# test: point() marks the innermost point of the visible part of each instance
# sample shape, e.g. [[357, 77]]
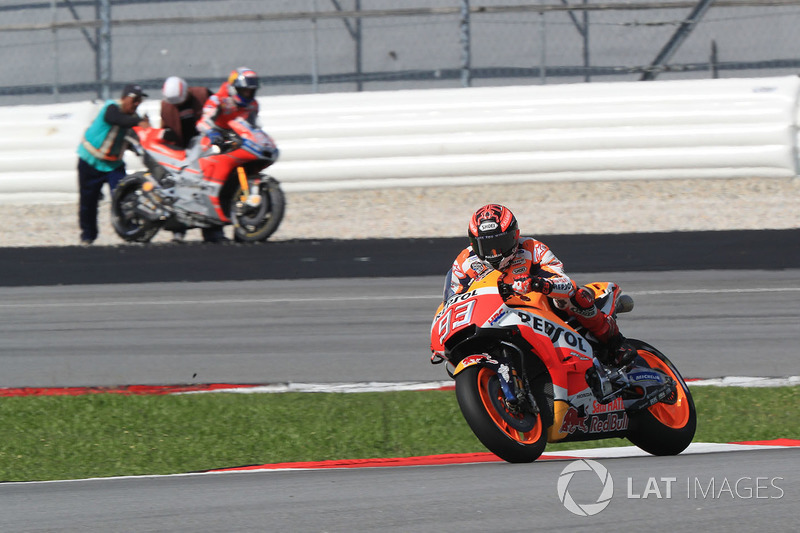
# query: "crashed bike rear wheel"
[[129, 224], [516, 437], [668, 427]]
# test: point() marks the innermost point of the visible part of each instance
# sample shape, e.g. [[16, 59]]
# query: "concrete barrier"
[[596, 131]]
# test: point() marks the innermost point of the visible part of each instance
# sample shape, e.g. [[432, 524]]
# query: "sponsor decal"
[[645, 376], [615, 405], [478, 267], [573, 422], [474, 359], [555, 332], [613, 422], [500, 313], [581, 356], [504, 371], [487, 225], [562, 286], [539, 249], [459, 298]]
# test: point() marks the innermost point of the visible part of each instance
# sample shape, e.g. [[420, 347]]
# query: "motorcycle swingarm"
[[610, 384]]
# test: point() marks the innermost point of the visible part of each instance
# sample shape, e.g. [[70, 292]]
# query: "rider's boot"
[[214, 234], [618, 351]]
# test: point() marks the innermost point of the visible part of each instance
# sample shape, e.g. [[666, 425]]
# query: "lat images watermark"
[[601, 484], [586, 509]]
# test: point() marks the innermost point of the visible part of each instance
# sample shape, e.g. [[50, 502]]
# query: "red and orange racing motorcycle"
[[526, 374]]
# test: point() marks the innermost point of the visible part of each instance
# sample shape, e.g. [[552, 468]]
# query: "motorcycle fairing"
[[180, 174]]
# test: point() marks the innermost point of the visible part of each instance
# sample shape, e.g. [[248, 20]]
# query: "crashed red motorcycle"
[[201, 187], [526, 374]]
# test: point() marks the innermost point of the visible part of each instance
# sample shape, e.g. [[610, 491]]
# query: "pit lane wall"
[[720, 128]]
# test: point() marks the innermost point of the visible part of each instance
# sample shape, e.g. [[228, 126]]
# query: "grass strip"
[[99, 435]]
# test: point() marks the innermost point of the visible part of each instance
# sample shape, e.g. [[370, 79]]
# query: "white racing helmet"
[[175, 90]]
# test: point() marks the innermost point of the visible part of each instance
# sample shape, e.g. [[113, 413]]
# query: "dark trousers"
[[90, 185]]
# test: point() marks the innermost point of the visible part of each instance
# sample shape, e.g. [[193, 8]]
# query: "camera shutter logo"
[[586, 509]]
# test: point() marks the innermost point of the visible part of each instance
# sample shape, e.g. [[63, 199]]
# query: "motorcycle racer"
[[181, 108], [529, 265], [233, 109], [234, 101]]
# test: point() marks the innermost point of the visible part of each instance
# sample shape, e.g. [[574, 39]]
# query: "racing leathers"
[[221, 114], [535, 268], [221, 110]]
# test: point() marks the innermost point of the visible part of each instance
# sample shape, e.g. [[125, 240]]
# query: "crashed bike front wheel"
[[257, 217], [513, 435]]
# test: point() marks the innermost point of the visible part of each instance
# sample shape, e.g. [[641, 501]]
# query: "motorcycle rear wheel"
[[514, 437], [257, 223], [128, 224], [666, 428]]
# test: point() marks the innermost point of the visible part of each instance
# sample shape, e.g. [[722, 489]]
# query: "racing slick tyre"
[[128, 222], [513, 435], [255, 221], [667, 427]]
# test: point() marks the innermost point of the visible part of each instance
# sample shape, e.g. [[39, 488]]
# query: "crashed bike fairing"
[[202, 166], [532, 258]]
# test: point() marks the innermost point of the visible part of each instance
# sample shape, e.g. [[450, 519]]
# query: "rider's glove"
[[522, 284], [543, 285], [506, 290], [215, 137]]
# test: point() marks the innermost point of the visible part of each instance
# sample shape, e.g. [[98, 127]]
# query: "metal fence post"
[[104, 49], [587, 63], [713, 61], [542, 48], [466, 57], [314, 58], [54, 12], [359, 49]]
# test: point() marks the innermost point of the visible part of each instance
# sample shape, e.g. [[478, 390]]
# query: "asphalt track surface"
[[757, 249], [711, 323], [734, 306], [721, 492]]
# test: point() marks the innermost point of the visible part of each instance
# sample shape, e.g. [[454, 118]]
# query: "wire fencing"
[[67, 50]]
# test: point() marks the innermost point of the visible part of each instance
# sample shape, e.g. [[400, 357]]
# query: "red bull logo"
[[589, 424], [573, 422]]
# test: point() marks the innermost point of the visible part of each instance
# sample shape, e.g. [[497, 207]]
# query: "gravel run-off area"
[[541, 208]]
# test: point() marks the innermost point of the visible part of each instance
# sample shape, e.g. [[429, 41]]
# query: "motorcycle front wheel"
[[512, 435], [256, 221], [127, 222], [668, 427]]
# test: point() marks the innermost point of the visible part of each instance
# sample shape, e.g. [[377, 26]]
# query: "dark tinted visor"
[[246, 93], [252, 82], [495, 247]]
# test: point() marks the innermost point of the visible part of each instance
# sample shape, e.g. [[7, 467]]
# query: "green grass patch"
[[108, 434]]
